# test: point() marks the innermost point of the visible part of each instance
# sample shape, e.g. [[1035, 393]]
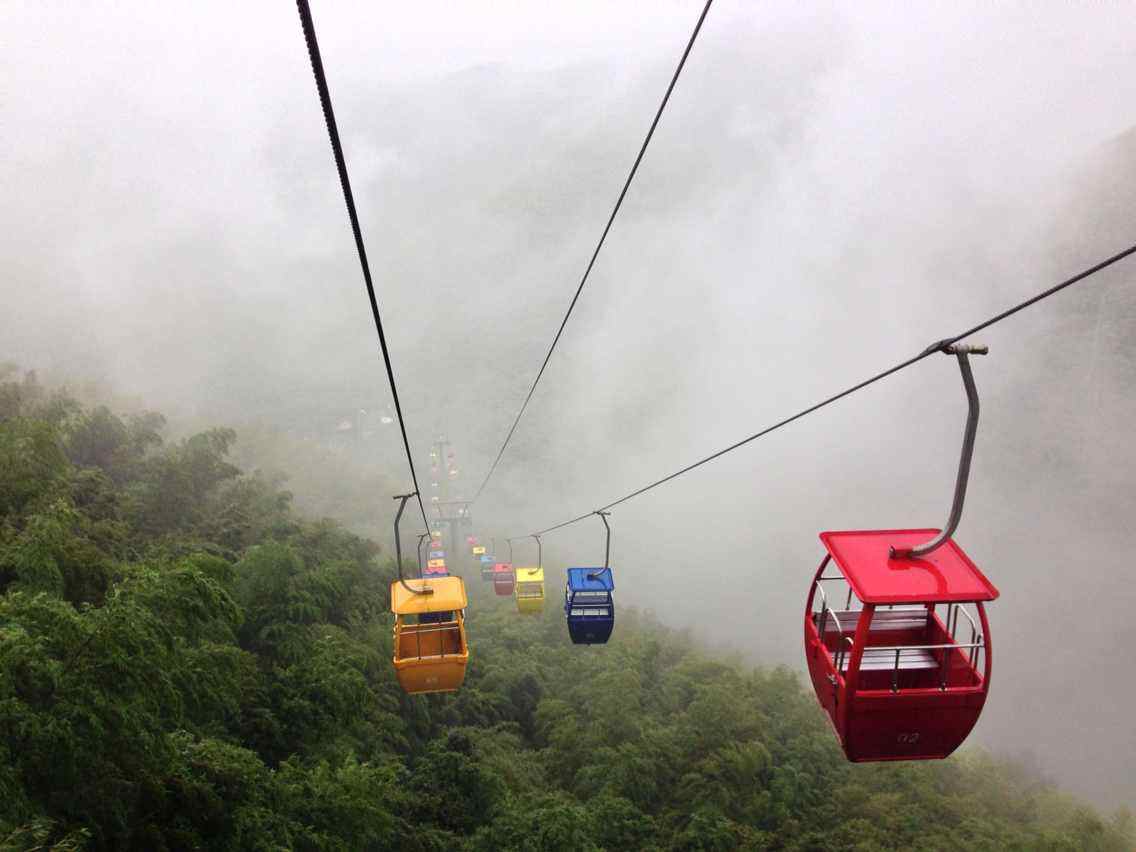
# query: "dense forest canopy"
[[187, 663]]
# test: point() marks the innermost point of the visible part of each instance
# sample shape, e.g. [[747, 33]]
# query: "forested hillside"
[[187, 664]]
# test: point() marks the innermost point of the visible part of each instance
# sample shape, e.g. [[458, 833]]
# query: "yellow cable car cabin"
[[430, 649], [530, 590]]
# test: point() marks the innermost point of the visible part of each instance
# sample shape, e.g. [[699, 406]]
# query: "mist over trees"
[[186, 662]]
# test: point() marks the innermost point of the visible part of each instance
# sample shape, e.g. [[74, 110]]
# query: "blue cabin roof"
[[580, 580]]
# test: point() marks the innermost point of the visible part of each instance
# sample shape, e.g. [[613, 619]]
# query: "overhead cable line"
[[349, 198], [938, 346], [599, 245]]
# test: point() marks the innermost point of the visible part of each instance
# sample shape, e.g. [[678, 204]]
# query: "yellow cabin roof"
[[530, 575], [449, 594]]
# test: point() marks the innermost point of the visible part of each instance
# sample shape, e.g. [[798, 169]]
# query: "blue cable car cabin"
[[589, 605]]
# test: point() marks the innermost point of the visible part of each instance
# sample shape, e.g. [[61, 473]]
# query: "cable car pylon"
[[890, 668]]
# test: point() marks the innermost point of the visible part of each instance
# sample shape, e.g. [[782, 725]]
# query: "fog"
[[830, 190]]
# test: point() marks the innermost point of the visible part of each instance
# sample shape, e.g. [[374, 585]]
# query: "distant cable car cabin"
[[899, 663], [503, 579], [530, 590], [436, 560], [589, 606], [430, 650]]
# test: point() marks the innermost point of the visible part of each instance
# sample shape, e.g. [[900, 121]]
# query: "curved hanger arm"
[[962, 352], [607, 546], [398, 545]]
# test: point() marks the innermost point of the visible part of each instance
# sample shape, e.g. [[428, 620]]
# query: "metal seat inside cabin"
[[591, 603], [884, 659]]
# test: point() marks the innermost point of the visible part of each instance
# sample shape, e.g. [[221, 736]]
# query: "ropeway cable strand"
[[599, 245], [930, 350], [349, 199]]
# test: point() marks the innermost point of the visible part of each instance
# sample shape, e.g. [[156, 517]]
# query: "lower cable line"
[[939, 346], [599, 246]]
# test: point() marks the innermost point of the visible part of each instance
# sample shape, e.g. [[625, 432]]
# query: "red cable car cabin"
[[898, 662]]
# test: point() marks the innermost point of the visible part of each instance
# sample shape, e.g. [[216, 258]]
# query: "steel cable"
[[599, 245], [349, 199], [930, 350]]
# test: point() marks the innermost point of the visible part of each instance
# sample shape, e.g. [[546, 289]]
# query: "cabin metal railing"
[[419, 629], [825, 611], [587, 596], [952, 629], [530, 590], [944, 649], [950, 623], [588, 603], [848, 601], [943, 668]]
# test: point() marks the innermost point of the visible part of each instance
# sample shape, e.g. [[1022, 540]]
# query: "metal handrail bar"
[[974, 631], [429, 627], [836, 620], [848, 601], [419, 629], [825, 610], [841, 653], [900, 648], [823, 596], [979, 644], [973, 626], [952, 625], [441, 656]]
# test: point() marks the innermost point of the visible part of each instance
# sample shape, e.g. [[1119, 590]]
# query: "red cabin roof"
[[945, 575]]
